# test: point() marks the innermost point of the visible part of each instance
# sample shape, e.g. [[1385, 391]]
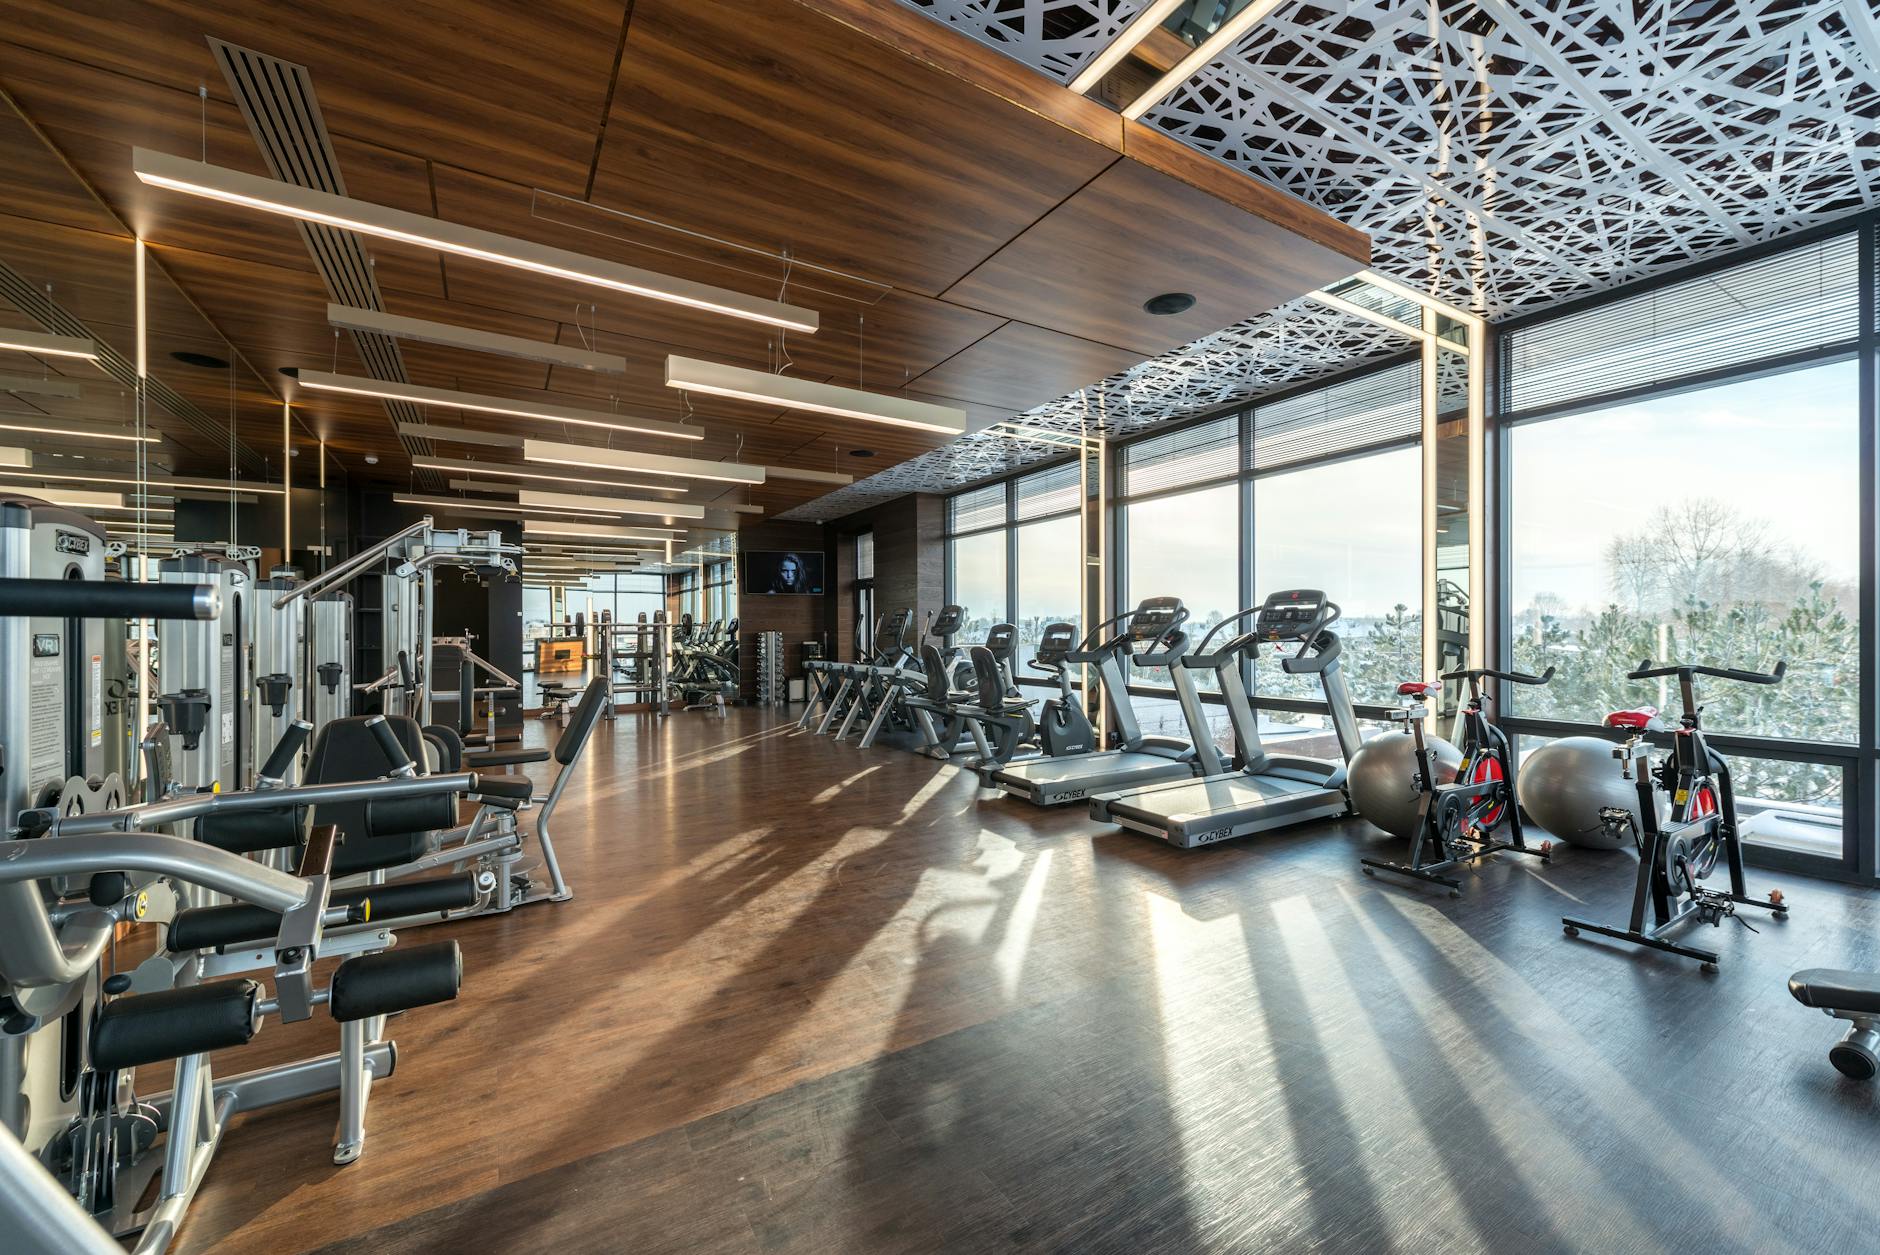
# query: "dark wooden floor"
[[813, 998]]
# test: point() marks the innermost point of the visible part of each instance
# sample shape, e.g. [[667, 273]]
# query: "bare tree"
[[1703, 551]]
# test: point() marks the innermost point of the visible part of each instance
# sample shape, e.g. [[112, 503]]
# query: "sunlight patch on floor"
[[1009, 958], [1610, 1097], [1542, 1149], [834, 791]]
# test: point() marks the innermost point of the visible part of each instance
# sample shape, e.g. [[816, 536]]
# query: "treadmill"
[[1152, 636], [1269, 790]]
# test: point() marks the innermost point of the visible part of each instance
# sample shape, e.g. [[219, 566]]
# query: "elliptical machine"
[[1456, 822], [1675, 860]]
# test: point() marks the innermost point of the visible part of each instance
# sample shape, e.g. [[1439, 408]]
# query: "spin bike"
[[1456, 822], [1674, 860]]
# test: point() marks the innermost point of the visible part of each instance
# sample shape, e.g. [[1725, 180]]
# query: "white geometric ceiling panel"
[[1550, 150], [1056, 36], [1503, 154], [1297, 342]]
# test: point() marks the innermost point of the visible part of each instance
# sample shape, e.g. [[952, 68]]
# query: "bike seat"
[[1418, 688], [1834, 990], [1645, 719]]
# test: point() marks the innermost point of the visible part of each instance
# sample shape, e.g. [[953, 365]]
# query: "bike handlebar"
[[1517, 677], [1646, 671]]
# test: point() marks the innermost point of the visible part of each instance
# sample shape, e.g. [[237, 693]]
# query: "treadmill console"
[[948, 621], [1294, 615], [1154, 616]]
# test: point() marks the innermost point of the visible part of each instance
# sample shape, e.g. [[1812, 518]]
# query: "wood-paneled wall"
[[798, 618], [910, 561]]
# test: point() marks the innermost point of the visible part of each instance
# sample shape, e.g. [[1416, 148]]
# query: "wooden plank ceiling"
[[967, 230]]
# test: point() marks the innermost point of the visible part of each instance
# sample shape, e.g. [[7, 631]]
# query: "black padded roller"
[[213, 927], [518, 788], [372, 854], [285, 749], [150, 1028], [382, 732], [249, 832], [396, 980], [393, 817]]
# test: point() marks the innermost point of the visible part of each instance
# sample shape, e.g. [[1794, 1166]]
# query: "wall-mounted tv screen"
[[769, 574]]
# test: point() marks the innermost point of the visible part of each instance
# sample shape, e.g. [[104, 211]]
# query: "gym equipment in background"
[[1267, 791], [1850, 996], [1151, 636], [1567, 785], [1455, 819], [773, 687], [87, 1158], [1674, 860]]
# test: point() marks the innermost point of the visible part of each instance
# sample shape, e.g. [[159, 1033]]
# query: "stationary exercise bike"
[[1063, 727], [1675, 860], [1456, 822]]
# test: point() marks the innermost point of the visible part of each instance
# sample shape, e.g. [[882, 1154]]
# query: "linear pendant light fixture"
[[80, 498], [41, 344], [465, 466], [1208, 50], [639, 463], [233, 187], [74, 433], [452, 337], [587, 531], [460, 435], [354, 385], [194, 486], [41, 386], [741, 384], [496, 506], [612, 505], [837, 478]]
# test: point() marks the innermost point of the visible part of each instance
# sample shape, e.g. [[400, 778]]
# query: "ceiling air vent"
[[276, 97]]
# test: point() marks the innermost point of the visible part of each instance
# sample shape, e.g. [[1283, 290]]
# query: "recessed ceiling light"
[[1170, 303], [205, 360], [372, 459]]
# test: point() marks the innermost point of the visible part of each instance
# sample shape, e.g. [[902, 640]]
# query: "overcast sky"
[[1782, 450]]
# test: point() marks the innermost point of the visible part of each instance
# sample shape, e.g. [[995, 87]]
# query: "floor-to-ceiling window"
[[977, 541], [1180, 540], [1685, 486], [1352, 529]]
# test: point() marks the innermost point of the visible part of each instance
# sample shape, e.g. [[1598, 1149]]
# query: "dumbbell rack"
[[773, 684]]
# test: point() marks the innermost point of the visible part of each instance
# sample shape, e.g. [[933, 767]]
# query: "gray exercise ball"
[[1563, 785], [1382, 779]]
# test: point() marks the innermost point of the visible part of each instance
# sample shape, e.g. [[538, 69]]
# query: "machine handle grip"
[[1646, 671], [108, 599], [289, 745], [388, 744], [404, 670]]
